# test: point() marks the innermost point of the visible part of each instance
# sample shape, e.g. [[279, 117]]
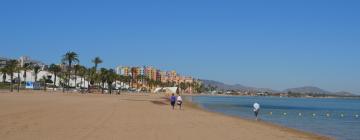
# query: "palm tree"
[[158, 83], [92, 72], [197, 86], [182, 86], [96, 62], [70, 57], [45, 80], [18, 69], [103, 75], [11, 66], [146, 81], [128, 80], [36, 69], [4, 72], [77, 67], [151, 84], [110, 78], [142, 79], [55, 69], [124, 79], [188, 85], [62, 79], [121, 79], [133, 76], [82, 73], [26, 67], [90, 78]]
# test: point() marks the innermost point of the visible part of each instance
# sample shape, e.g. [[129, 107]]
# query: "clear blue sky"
[[262, 43]]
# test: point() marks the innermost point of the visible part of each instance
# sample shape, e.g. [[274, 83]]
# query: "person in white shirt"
[[256, 110], [179, 101]]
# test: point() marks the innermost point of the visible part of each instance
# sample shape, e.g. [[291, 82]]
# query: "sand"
[[72, 116]]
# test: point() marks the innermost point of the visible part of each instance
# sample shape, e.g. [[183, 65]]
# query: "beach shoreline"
[[56, 115], [260, 122]]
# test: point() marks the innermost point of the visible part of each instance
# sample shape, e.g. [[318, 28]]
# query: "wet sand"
[[72, 116]]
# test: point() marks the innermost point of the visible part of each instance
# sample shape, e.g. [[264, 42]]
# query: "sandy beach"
[[73, 116]]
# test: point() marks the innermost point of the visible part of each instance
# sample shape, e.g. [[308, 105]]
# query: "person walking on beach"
[[256, 110], [173, 101], [179, 101]]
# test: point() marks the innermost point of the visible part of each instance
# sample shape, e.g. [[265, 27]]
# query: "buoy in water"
[[300, 114], [327, 115], [313, 114], [357, 116], [285, 114], [270, 113], [342, 115]]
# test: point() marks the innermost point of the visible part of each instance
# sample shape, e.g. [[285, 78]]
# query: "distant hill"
[[307, 90], [344, 93], [316, 90], [301, 90], [223, 86], [238, 87]]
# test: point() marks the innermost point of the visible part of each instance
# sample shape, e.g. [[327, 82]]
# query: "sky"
[[275, 44]]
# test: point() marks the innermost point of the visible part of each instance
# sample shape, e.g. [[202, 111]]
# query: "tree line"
[[71, 69]]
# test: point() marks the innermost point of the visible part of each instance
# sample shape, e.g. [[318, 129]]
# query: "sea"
[[338, 118]]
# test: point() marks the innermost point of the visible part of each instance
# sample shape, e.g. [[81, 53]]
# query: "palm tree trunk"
[[132, 83], [110, 87], [19, 82], [81, 81], [84, 82], [68, 82], [54, 82], [4, 77], [99, 85], [75, 79], [89, 79], [62, 85], [129, 83], [102, 87], [44, 85], [11, 82], [88, 87], [24, 75]]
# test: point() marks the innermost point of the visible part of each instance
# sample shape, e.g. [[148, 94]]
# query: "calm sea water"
[[337, 118]]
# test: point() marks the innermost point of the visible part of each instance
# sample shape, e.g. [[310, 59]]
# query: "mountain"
[[238, 87], [344, 93], [307, 90], [316, 90], [301, 90], [221, 86]]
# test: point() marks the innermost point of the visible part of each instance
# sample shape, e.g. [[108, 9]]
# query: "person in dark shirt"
[[173, 101]]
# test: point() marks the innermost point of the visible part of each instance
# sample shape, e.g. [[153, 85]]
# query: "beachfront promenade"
[[73, 116]]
